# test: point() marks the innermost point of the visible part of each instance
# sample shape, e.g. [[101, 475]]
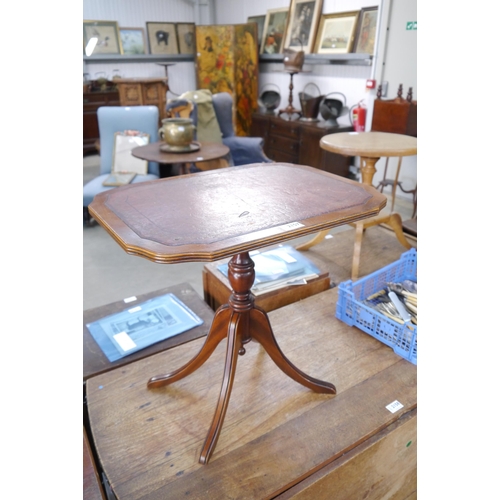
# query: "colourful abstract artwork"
[[227, 61]]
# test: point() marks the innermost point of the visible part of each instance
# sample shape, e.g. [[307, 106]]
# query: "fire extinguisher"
[[358, 116]]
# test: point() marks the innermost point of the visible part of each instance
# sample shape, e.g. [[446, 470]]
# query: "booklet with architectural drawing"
[[154, 320], [277, 268]]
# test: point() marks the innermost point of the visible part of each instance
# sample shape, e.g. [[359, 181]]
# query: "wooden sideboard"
[[143, 92], [92, 101], [297, 142]]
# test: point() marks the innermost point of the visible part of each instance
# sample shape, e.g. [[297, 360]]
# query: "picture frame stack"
[[303, 26], [300, 26], [158, 38]]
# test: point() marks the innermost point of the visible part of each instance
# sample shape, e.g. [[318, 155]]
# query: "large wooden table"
[[229, 212], [370, 147], [279, 440], [203, 157]]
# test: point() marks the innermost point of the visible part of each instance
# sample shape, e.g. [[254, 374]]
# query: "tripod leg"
[[394, 221], [261, 331], [314, 241], [357, 250], [217, 332], [233, 345], [395, 183]]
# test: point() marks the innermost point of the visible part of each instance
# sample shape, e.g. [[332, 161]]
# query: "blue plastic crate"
[[350, 310]]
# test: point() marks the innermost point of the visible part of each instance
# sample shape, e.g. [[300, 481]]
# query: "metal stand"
[[166, 65], [290, 110]]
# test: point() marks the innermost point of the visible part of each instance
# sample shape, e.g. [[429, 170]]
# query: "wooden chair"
[[398, 116]]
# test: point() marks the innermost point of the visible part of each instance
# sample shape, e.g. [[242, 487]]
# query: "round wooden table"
[[203, 158], [370, 147]]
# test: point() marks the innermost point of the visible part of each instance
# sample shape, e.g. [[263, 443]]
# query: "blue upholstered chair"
[[113, 119], [244, 150]]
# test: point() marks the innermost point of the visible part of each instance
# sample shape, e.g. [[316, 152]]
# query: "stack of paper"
[[278, 268]]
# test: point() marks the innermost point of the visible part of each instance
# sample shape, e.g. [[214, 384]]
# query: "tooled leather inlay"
[[204, 209]]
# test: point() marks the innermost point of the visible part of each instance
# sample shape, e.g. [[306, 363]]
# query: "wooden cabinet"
[[298, 142], [282, 140], [92, 101], [143, 92]]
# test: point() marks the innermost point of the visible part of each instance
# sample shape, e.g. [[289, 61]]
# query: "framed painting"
[[273, 33], [185, 37], [336, 33], [259, 21], [162, 38], [133, 41], [101, 37], [364, 41], [302, 24]]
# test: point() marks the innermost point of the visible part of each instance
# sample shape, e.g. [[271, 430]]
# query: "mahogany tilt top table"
[[211, 215]]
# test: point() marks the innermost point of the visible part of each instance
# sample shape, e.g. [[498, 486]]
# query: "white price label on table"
[[394, 406]]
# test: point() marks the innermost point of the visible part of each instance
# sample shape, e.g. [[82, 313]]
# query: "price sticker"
[[394, 406]]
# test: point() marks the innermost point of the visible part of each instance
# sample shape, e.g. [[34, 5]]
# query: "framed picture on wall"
[[273, 33], [101, 37], [302, 24], [259, 21], [162, 38], [336, 33], [133, 41], [185, 37], [364, 42]]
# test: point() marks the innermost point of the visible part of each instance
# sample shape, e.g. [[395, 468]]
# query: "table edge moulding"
[[227, 213], [106, 206]]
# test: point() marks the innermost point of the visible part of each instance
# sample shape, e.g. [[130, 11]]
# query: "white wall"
[[398, 65]]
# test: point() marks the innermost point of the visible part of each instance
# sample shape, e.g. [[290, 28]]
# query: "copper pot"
[[310, 104]]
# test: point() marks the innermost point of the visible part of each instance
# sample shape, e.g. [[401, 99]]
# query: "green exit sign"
[[411, 25]]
